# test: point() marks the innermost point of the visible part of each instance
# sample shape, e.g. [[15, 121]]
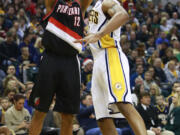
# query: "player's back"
[[64, 25]]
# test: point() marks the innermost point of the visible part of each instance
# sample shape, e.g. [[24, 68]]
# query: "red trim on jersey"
[[48, 14], [64, 28]]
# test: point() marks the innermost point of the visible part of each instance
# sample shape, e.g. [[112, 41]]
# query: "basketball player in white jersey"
[[110, 82]]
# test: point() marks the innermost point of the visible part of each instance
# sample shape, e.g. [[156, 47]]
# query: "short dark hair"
[[18, 96], [83, 97], [144, 94]]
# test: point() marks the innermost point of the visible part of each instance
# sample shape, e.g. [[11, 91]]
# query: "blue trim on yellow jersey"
[[102, 24], [109, 84], [99, 44], [123, 71], [112, 34]]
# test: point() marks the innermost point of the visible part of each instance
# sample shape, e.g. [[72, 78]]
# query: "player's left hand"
[[90, 38]]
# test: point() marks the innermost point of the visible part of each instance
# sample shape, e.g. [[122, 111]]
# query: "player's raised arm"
[[118, 15], [84, 5], [49, 5]]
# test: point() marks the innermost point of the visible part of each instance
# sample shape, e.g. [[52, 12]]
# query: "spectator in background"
[[5, 131], [164, 26], [139, 88], [150, 45], [2, 76], [143, 35], [176, 48], [175, 20], [39, 50], [159, 72], [11, 70], [139, 72], [152, 58], [171, 105], [27, 42], [154, 77], [2, 30], [178, 7], [86, 74], [155, 23], [10, 95], [11, 75], [10, 84], [86, 117], [27, 94], [168, 55], [169, 8], [17, 117], [30, 7], [23, 26], [4, 107], [8, 50], [141, 51], [162, 109], [150, 116], [133, 41], [154, 91], [132, 58], [161, 39], [26, 59], [175, 85], [10, 17], [138, 61], [29, 85], [22, 15], [173, 34], [148, 81], [173, 120], [171, 72], [128, 31]]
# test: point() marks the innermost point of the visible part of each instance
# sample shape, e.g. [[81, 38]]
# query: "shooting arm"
[[118, 16], [84, 5], [49, 5]]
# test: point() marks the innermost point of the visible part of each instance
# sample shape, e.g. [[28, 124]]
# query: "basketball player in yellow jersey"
[[110, 82]]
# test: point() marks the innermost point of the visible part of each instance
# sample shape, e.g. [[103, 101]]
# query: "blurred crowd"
[[150, 40]]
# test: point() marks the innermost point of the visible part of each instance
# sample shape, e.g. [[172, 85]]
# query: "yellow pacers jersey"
[[110, 80], [97, 20]]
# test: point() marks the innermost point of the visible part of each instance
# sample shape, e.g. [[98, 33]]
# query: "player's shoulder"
[[110, 2], [107, 4]]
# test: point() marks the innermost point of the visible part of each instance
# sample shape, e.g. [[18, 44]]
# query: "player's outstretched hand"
[[90, 38]]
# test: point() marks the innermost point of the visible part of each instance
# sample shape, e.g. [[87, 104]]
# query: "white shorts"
[[110, 82]]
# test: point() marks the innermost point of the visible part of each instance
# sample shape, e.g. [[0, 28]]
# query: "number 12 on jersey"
[[77, 21]]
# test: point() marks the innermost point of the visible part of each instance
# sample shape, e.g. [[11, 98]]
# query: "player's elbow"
[[124, 16]]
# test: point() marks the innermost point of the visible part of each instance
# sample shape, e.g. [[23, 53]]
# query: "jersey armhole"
[[78, 2], [48, 14]]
